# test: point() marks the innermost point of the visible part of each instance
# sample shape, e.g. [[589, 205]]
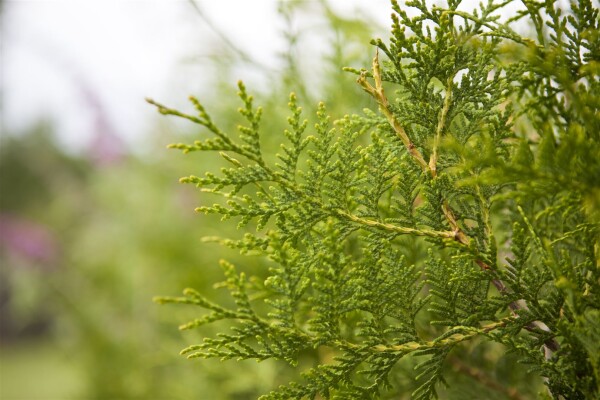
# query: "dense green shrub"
[[445, 244]]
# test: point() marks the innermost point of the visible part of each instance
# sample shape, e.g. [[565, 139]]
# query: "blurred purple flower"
[[27, 239], [106, 149]]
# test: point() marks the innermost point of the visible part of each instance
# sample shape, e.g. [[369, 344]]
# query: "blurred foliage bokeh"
[[87, 239]]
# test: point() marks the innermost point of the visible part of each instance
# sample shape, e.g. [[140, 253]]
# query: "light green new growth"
[[465, 209]]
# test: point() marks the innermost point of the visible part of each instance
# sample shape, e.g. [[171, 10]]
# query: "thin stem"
[[396, 228], [241, 53], [440, 128], [468, 333], [485, 213], [170, 111], [484, 379], [499, 31]]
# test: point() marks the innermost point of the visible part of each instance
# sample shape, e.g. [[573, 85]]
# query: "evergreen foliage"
[[463, 213]]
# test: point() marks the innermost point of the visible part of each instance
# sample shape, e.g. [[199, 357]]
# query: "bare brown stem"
[[484, 379]]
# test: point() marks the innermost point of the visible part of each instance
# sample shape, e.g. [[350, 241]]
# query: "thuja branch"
[[378, 93], [384, 105], [551, 345], [330, 210]]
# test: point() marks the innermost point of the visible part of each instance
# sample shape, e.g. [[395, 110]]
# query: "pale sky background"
[[54, 53]]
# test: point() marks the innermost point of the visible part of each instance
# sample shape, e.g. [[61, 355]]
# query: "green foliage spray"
[[434, 245]]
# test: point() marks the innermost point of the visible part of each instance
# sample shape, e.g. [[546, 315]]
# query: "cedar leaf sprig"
[[461, 214]]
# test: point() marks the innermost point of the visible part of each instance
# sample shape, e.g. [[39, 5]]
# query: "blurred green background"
[[87, 238]]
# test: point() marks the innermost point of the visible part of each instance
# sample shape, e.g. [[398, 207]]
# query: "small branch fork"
[[384, 106], [378, 94]]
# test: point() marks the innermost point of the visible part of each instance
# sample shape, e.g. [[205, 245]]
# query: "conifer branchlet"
[[462, 213]]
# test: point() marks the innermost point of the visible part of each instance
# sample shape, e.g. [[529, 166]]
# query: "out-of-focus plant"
[[108, 237]]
